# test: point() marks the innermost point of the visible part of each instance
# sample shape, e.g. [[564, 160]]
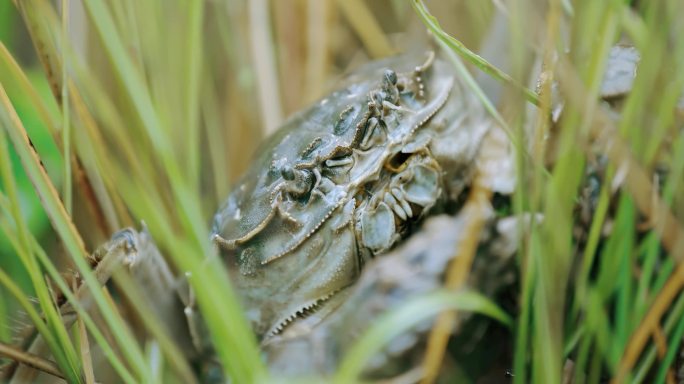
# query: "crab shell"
[[295, 241]]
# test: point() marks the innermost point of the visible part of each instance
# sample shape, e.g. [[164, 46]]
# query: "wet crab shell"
[[295, 284], [287, 256]]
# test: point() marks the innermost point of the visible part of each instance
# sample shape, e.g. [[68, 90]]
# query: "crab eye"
[[391, 76], [287, 172]]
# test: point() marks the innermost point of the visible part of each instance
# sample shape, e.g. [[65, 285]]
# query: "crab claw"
[[378, 231], [422, 186]]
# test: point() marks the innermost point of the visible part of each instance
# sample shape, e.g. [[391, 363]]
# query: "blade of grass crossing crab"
[[84, 350], [43, 328], [213, 291], [247, 366], [406, 316], [450, 46], [25, 303], [64, 227], [162, 340], [92, 327], [65, 354], [189, 215]]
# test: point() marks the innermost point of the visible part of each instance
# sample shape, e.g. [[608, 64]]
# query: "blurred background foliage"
[[150, 110]]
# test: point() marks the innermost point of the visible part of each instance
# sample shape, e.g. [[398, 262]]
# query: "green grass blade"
[[470, 56], [65, 353], [193, 52], [28, 90], [674, 348], [64, 227], [246, 366], [66, 290], [403, 318]]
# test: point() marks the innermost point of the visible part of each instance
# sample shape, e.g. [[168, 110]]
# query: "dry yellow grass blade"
[[265, 64], [84, 349], [661, 345], [650, 323], [319, 25], [41, 20], [366, 27], [86, 181], [478, 207], [31, 360], [39, 176]]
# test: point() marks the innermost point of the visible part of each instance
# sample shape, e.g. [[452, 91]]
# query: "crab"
[[343, 182], [340, 183]]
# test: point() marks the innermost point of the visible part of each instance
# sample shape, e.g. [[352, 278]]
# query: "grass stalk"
[[66, 123], [407, 315], [63, 225]]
